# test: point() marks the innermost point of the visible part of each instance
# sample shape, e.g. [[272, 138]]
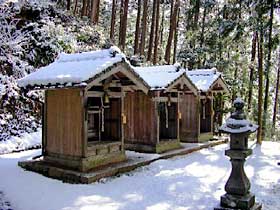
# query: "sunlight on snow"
[[159, 206], [195, 169], [94, 202], [133, 197], [64, 76], [192, 182]]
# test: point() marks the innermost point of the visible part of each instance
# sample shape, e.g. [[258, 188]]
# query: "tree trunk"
[[156, 33], [124, 25], [137, 28], [68, 5], [176, 37], [84, 8], [75, 7], [144, 27], [260, 95], [267, 69], [171, 10], [94, 11], [162, 25], [121, 22], [196, 13], [171, 32], [233, 97], [203, 27], [253, 57], [189, 18], [152, 31], [89, 7], [275, 108], [113, 21]]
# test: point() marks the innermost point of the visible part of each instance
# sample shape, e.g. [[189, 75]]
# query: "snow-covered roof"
[[74, 69], [159, 77], [203, 78]]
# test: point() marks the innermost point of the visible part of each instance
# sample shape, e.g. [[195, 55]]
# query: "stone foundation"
[[66, 174], [160, 147], [205, 137]]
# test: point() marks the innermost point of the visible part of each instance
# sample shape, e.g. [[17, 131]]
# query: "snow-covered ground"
[[26, 141], [192, 182]]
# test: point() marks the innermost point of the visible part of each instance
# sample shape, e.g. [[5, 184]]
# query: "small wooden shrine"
[[198, 114], [153, 119], [83, 123]]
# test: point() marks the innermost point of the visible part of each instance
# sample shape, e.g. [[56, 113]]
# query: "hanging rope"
[[203, 110], [102, 115], [166, 115]]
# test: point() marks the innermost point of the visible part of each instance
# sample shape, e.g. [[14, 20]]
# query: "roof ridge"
[[90, 55]]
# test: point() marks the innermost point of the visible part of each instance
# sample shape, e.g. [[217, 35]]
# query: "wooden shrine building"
[[198, 120], [83, 120], [153, 119]]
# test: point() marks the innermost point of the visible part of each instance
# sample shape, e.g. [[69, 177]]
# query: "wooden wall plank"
[[189, 121], [64, 122], [141, 119]]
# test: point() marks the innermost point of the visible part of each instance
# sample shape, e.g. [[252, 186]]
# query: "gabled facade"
[[198, 116], [153, 119], [83, 123]]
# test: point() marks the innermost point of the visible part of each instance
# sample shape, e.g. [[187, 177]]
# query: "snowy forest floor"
[[24, 142], [194, 181]]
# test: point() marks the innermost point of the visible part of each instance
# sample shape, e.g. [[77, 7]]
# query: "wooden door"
[[112, 121], [205, 115], [167, 121]]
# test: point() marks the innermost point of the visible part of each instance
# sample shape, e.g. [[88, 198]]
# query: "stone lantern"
[[237, 188]]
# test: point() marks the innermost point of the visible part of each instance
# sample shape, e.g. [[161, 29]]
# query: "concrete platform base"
[[134, 160]]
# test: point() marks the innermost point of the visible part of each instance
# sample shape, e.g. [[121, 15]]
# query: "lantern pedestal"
[[238, 196]]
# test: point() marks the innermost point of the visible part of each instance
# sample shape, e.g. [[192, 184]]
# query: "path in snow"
[[192, 182]]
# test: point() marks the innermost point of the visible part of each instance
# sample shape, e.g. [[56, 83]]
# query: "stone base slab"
[[87, 163], [246, 202], [161, 147], [257, 206], [132, 162]]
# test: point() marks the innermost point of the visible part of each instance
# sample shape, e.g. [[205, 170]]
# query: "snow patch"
[[26, 141], [238, 101], [194, 181]]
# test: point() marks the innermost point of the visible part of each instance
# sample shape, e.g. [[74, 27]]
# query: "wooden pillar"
[[178, 116], [157, 115], [198, 114], [44, 124], [122, 119], [212, 113], [84, 113]]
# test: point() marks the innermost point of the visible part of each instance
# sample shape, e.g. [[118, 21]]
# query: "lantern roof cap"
[[237, 122]]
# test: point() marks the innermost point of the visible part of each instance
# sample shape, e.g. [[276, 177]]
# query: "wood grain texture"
[[189, 108], [64, 123], [141, 126]]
